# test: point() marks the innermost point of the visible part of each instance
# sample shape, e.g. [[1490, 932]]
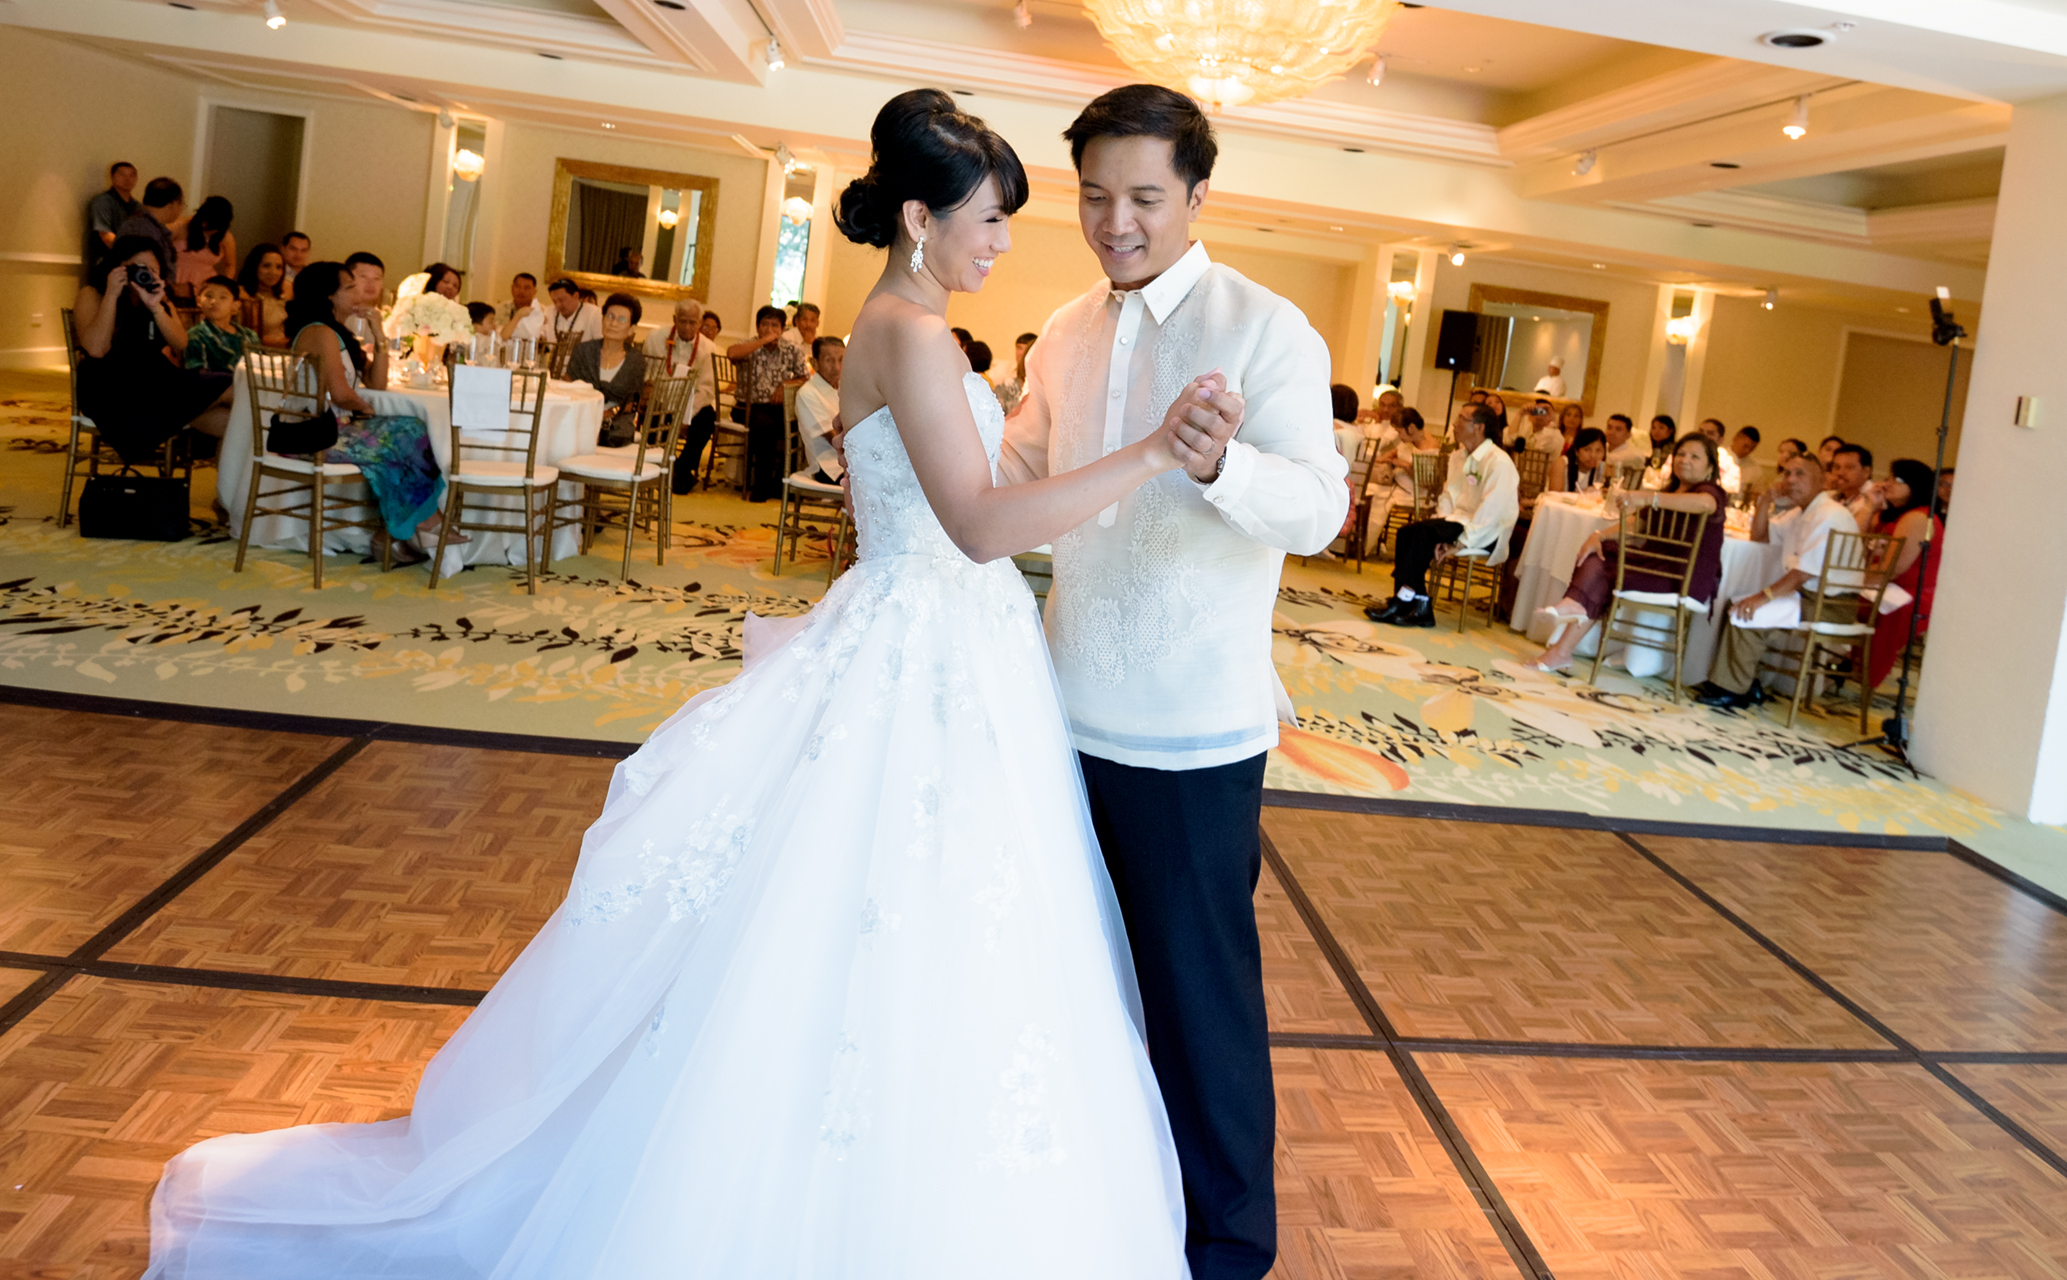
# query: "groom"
[[1159, 620]]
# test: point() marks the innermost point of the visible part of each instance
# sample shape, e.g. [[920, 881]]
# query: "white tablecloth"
[[573, 415], [1559, 529]]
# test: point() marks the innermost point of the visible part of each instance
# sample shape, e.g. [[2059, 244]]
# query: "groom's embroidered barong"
[[1159, 622], [1160, 613]]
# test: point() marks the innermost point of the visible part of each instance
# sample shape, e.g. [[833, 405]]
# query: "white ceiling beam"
[[721, 39], [536, 30], [1957, 221], [807, 28], [1702, 92]]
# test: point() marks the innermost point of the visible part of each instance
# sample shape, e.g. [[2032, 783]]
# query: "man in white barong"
[[1160, 620]]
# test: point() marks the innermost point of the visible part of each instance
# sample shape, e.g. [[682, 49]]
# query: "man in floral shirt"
[[1476, 513], [767, 364]]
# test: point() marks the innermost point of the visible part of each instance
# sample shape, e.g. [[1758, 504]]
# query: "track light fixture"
[[1022, 17], [1456, 255], [1772, 299], [1797, 120], [274, 18], [774, 54], [1584, 164], [1377, 73]]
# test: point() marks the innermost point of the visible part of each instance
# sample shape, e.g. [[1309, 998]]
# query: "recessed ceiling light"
[[1600, 266], [1724, 164], [1334, 228], [1355, 151], [1701, 224], [177, 5], [1272, 230], [671, 4], [1794, 38], [608, 125], [963, 93], [554, 56]]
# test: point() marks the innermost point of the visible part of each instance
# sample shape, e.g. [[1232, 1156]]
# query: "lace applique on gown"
[[838, 990]]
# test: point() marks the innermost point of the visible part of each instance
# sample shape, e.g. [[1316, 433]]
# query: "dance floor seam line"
[[1908, 1051], [1506, 1224], [111, 935]]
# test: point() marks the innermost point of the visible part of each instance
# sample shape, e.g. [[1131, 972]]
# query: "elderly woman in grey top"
[[614, 365]]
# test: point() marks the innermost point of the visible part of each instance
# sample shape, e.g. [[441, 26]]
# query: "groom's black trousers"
[[1184, 852]]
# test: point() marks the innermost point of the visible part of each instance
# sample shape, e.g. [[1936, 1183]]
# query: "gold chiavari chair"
[[1532, 469], [728, 438], [288, 383], [810, 508], [86, 453], [1856, 566], [1429, 473], [628, 486], [1630, 476], [561, 356], [503, 464], [1664, 543], [1458, 579]]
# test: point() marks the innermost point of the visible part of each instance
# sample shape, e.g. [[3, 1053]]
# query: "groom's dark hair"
[[1149, 111]]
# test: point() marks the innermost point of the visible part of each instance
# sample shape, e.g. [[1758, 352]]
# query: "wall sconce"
[[797, 209], [1680, 330], [1401, 291], [467, 166], [667, 218]]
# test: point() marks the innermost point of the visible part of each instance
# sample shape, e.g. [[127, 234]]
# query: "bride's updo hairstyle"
[[926, 149]]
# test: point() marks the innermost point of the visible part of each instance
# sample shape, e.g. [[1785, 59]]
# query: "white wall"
[[1991, 716]]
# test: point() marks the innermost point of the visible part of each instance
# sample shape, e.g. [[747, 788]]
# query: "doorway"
[[254, 161]]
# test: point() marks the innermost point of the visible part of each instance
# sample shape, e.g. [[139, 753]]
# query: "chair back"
[[726, 372], [279, 381], [1630, 475], [1360, 469], [1532, 466], [563, 355], [1660, 541], [793, 451], [1431, 472], [661, 414], [519, 443], [1861, 564], [72, 357]]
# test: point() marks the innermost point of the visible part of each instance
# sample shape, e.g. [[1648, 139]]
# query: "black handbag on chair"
[[302, 437], [127, 504]]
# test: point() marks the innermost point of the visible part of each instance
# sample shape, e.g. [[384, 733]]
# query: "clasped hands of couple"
[[1198, 425]]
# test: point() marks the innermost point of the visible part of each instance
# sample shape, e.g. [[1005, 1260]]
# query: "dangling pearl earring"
[[918, 255]]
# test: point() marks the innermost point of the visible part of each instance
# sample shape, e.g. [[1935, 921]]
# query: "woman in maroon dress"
[[1692, 488], [1906, 510]]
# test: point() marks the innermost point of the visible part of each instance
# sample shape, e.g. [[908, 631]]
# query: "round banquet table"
[[1561, 525], [573, 416]]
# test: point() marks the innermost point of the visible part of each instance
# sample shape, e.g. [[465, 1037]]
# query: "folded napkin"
[[480, 398]]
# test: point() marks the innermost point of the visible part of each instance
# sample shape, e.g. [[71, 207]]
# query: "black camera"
[[1944, 329], [145, 279]]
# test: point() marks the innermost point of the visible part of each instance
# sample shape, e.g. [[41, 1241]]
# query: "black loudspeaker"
[[1456, 342]]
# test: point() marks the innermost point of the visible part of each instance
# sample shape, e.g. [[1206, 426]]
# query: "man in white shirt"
[[570, 315], [1476, 512], [1160, 620], [523, 316], [818, 405], [680, 348], [1750, 475], [1727, 473], [1544, 436], [1624, 450], [1851, 475], [1553, 382], [1804, 537]]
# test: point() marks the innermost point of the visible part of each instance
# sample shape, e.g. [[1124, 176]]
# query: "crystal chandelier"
[[1229, 52]]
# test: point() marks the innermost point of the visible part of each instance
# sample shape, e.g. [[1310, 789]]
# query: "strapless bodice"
[[891, 514]]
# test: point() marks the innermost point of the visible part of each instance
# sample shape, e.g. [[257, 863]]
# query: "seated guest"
[[523, 316], [1751, 476], [206, 248], [1731, 480], [1803, 534], [1348, 435], [1624, 449], [1585, 466], [681, 350], [1663, 433], [483, 316], [262, 285], [441, 278], [125, 324], [979, 357], [1571, 420], [1692, 488], [963, 338], [1826, 452], [571, 317], [163, 204], [370, 274], [1477, 511], [216, 342], [1791, 448], [1849, 478], [1904, 510], [712, 325], [1945, 494], [1384, 422], [1391, 482], [1013, 389], [297, 248], [1537, 431], [803, 332], [1497, 430], [769, 363], [818, 404], [106, 211], [614, 366], [392, 451]]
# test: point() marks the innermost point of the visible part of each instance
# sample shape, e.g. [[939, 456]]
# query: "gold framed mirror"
[[1543, 325], [619, 229]]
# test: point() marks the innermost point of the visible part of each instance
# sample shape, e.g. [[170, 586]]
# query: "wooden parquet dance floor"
[[1500, 1050]]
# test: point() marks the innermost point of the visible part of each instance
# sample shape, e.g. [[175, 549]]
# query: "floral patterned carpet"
[[1414, 715]]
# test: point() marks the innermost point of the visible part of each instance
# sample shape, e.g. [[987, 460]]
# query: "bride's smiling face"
[[964, 243]]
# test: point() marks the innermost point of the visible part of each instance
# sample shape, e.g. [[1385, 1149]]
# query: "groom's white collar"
[[1162, 294]]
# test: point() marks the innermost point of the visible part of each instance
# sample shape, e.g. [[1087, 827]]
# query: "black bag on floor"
[[130, 505]]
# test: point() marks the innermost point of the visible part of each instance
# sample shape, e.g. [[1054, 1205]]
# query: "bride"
[[839, 988]]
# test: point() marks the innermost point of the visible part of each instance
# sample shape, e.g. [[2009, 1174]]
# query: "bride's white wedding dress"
[[839, 990]]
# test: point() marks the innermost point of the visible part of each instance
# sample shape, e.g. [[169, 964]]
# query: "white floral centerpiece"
[[433, 321]]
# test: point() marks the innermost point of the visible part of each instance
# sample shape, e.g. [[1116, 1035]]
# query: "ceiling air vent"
[[1795, 39]]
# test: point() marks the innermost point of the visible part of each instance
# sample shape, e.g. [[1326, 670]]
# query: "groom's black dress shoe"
[[1418, 612], [1384, 612], [1710, 694]]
